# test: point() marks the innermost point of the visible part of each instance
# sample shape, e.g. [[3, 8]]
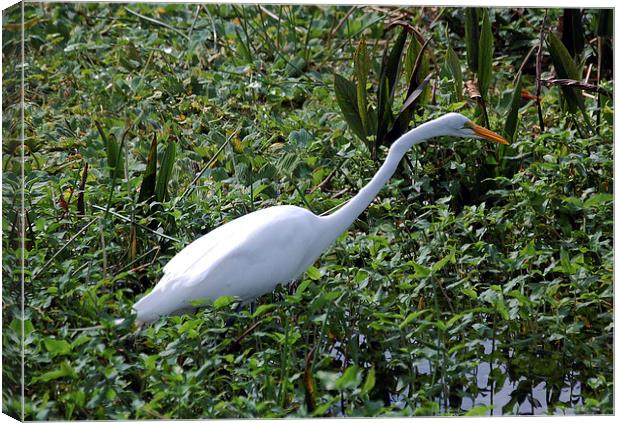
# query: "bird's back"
[[246, 257]]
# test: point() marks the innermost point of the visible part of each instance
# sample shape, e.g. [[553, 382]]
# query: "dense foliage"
[[479, 281]]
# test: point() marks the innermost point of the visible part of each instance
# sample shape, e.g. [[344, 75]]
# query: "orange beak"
[[486, 134]]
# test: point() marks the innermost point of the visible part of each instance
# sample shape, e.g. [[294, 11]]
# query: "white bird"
[[252, 254]]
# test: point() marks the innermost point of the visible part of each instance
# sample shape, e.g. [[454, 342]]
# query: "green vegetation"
[[478, 270]]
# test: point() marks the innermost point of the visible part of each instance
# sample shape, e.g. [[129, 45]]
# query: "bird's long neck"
[[340, 220]]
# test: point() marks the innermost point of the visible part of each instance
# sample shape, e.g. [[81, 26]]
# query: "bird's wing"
[[241, 236], [212, 245]]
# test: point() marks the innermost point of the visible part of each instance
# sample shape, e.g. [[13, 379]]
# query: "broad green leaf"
[[328, 379], [472, 37], [510, 127], [411, 317], [420, 270], [302, 287], [165, 171], [567, 267], [369, 383], [566, 68], [470, 293], [392, 65], [295, 67], [597, 200], [16, 325], [147, 188], [351, 378], [441, 263], [479, 410], [65, 370], [223, 301], [57, 346], [346, 96], [454, 65], [485, 55], [323, 408], [313, 273], [500, 305], [262, 309], [416, 67]]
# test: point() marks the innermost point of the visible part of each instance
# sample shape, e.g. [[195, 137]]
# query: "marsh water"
[[500, 394], [521, 396]]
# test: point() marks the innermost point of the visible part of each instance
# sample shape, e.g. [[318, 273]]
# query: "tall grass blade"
[[573, 32], [566, 68], [485, 55], [417, 67], [512, 119], [392, 66], [454, 65], [81, 210], [147, 188], [115, 162], [472, 37], [165, 171], [404, 116], [362, 67]]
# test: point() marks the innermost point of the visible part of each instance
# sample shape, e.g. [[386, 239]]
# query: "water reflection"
[[514, 396]]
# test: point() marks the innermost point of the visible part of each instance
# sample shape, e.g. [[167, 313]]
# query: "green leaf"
[[470, 293], [566, 68], [295, 67], [597, 200], [262, 309], [479, 410], [411, 317], [416, 67], [302, 287], [384, 112], [361, 62], [113, 153], [485, 55], [500, 305], [223, 301], [165, 171], [351, 378], [57, 346], [472, 37], [392, 65], [313, 273], [420, 270], [65, 370], [567, 267], [454, 65], [147, 188], [328, 379], [441, 263], [346, 97], [510, 127], [369, 383]]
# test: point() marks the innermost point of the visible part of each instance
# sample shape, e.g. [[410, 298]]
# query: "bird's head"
[[457, 125]]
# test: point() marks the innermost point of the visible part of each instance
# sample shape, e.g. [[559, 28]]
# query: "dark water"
[[535, 402], [540, 399]]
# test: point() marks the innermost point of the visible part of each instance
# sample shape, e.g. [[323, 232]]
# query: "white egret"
[[249, 256]]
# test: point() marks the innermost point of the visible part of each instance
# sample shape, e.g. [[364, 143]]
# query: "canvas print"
[[273, 211]]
